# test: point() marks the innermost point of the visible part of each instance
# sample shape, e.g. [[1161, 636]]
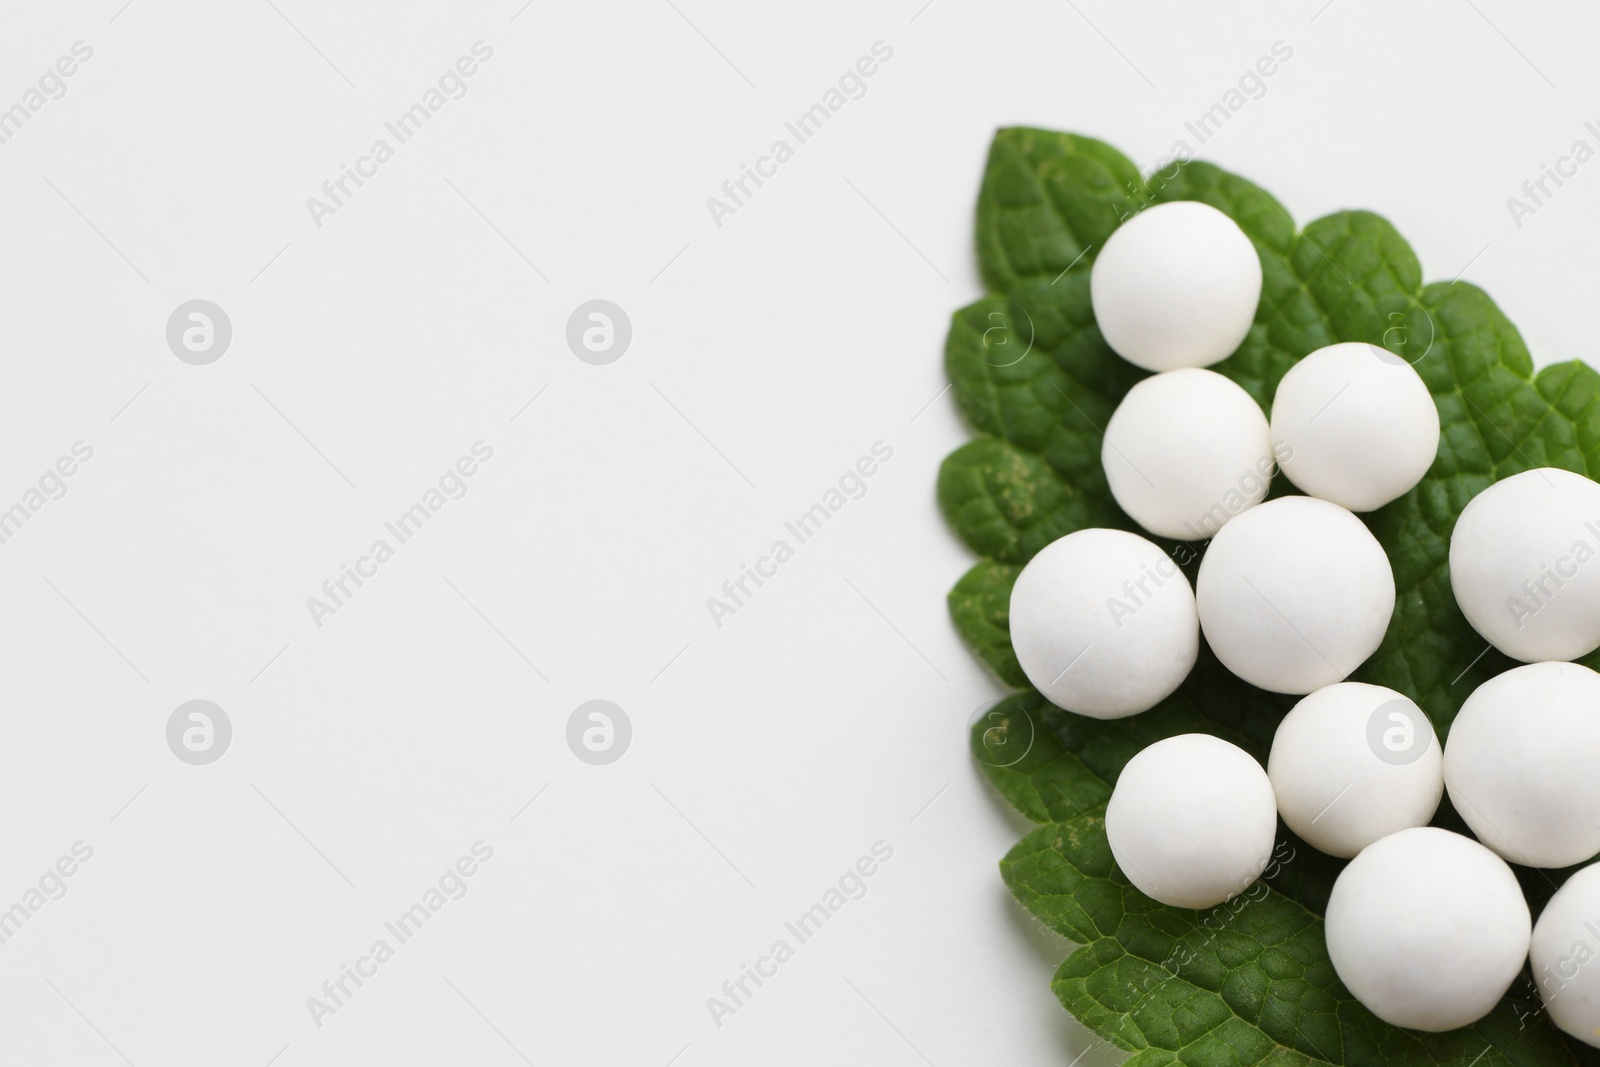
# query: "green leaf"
[[1246, 982], [980, 605], [1036, 382]]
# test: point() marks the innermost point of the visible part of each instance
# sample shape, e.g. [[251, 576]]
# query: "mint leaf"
[[980, 605], [1033, 378], [1246, 982]]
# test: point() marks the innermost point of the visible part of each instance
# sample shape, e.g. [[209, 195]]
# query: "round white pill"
[[1522, 564], [1294, 594], [1428, 929], [1185, 452], [1522, 764], [1566, 942], [1176, 286], [1352, 763], [1354, 424], [1191, 821], [1103, 623]]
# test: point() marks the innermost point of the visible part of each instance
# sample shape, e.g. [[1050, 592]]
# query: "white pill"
[[1191, 821], [1176, 286], [1354, 424], [1294, 594], [1522, 564], [1428, 929], [1566, 946], [1522, 764], [1352, 763], [1103, 623], [1186, 451]]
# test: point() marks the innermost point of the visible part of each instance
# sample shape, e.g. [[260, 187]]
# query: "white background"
[[767, 356]]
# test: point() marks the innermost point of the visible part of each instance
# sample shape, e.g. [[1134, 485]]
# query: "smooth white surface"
[[1353, 423], [1176, 286], [1427, 928], [1334, 786], [1191, 821], [1185, 452], [795, 336], [1294, 594], [1523, 564], [1103, 623], [1520, 763], [1563, 954]]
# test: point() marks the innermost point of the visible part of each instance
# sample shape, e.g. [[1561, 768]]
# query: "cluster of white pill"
[[1426, 927], [1293, 594]]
